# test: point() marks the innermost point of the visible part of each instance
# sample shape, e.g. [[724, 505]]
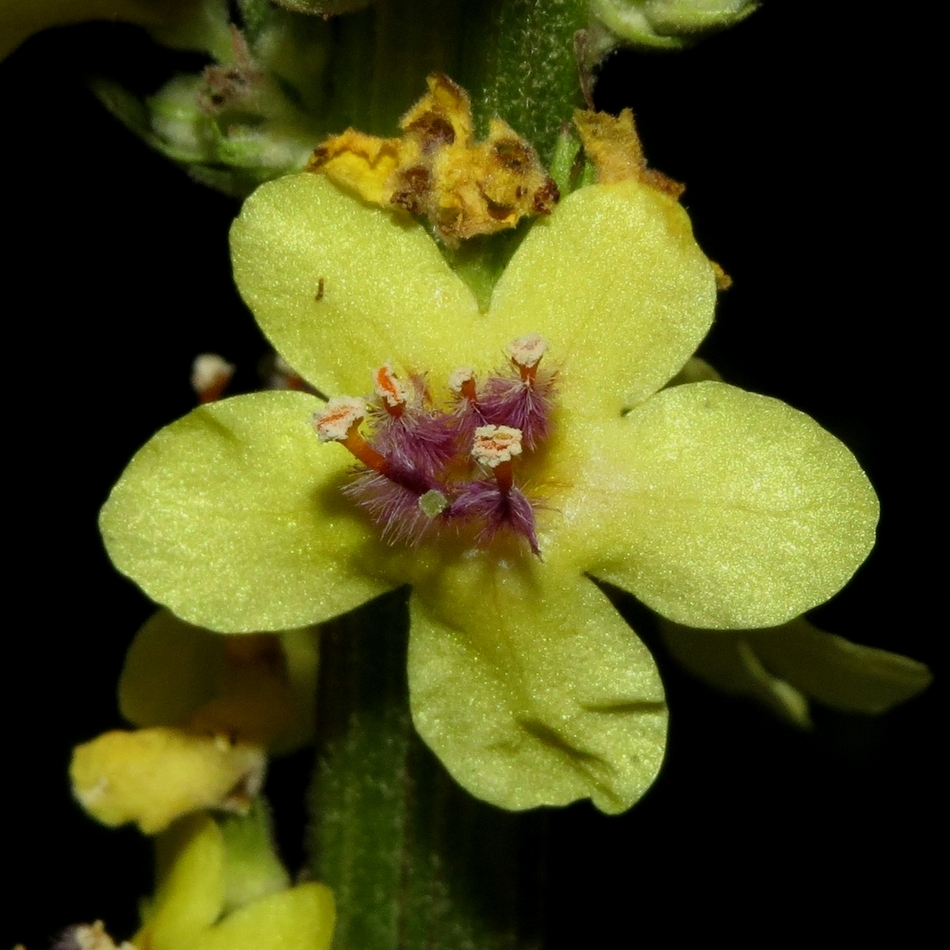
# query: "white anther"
[[460, 377], [387, 387], [210, 371], [527, 350], [496, 444], [334, 422]]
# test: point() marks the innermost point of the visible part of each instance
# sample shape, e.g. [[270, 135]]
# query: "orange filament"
[[340, 422], [504, 476], [364, 452]]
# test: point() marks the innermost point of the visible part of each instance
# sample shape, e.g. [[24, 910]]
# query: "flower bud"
[[664, 24]]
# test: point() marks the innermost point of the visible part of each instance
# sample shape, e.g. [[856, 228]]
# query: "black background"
[[803, 138]]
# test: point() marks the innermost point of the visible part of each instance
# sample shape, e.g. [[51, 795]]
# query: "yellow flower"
[[208, 707], [217, 891], [716, 507]]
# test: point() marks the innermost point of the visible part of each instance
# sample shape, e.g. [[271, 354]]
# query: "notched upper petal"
[[339, 286], [615, 281]]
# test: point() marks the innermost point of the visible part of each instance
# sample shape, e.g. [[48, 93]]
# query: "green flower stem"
[[515, 58], [413, 860], [519, 64]]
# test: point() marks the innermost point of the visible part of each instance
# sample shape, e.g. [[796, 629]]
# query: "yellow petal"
[[721, 508], [388, 293], [358, 162], [153, 776], [300, 918], [527, 684], [190, 896], [615, 282], [233, 518]]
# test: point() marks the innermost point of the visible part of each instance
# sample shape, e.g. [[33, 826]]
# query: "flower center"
[[428, 467]]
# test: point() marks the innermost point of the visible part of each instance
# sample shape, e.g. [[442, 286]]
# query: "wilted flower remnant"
[[716, 507], [438, 170]]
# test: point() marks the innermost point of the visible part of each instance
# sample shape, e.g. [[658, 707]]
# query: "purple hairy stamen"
[[424, 467], [522, 404], [495, 510]]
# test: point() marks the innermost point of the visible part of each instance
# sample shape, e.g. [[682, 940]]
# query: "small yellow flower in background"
[[210, 708], [220, 887], [258, 688], [716, 507], [153, 776]]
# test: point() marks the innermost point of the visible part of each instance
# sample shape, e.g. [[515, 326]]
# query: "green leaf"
[[836, 672], [725, 660], [787, 665]]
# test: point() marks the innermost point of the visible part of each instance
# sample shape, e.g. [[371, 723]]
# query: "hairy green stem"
[[414, 861], [515, 58]]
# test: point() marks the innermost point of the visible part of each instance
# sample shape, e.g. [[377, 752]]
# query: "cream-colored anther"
[[496, 444], [387, 387], [210, 373], [460, 377], [334, 422], [527, 350]]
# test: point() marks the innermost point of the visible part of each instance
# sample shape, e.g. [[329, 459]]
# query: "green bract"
[[716, 507], [784, 667]]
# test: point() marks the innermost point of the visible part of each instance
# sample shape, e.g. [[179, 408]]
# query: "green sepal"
[[662, 24], [786, 666]]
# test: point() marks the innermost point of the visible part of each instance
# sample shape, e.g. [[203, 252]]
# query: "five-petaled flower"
[[716, 507]]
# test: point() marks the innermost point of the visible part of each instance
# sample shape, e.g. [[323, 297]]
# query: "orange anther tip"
[[334, 422], [387, 387]]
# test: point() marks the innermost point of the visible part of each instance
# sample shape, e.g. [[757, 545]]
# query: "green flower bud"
[[662, 24]]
